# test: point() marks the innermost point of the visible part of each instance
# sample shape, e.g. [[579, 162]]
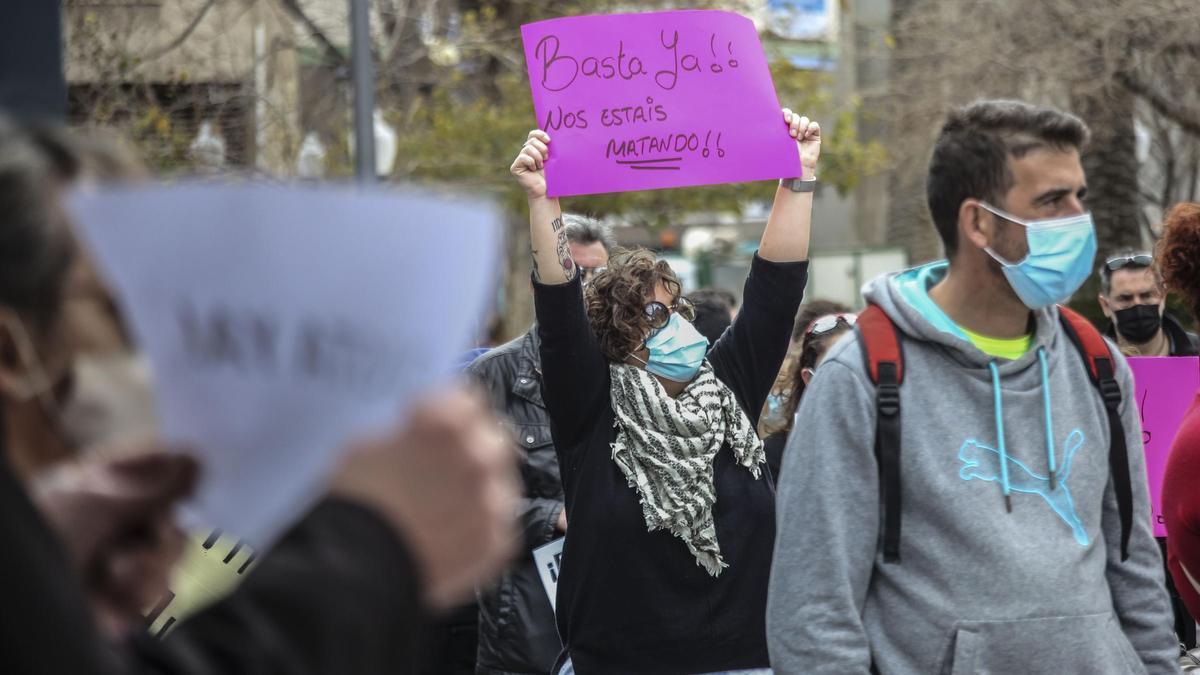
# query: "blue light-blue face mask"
[[676, 351], [1061, 251]]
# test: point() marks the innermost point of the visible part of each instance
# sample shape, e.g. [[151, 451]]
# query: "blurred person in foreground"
[[820, 334], [989, 511], [1179, 258], [778, 412], [517, 633], [111, 403], [1134, 300], [412, 521], [670, 517]]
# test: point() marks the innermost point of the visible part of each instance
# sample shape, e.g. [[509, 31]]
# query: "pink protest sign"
[[1165, 388], [657, 100]]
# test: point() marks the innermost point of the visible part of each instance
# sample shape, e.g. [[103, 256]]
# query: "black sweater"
[[632, 601]]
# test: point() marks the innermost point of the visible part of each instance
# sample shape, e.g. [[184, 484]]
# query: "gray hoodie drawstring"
[[996, 396], [1049, 419], [1000, 433]]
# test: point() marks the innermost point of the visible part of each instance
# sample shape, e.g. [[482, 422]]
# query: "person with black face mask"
[[1133, 299]]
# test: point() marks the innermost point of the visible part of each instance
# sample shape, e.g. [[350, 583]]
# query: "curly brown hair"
[[1179, 253], [617, 297]]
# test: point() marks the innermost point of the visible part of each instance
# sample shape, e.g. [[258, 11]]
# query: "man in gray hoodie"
[[1010, 558]]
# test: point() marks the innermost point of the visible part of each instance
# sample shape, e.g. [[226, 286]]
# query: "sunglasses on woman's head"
[[1129, 260], [829, 322], [658, 314]]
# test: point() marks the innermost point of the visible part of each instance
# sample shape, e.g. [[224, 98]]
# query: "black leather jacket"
[[517, 633]]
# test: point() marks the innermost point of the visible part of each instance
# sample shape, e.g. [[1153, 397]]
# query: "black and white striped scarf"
[[665, 448]]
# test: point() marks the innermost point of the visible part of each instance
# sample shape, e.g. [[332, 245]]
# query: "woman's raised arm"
[[552, 263], [574, 372], [786, 236]]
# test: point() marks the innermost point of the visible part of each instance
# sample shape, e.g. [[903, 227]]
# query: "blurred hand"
[[447, 482], [808, 139], [114, 515], [529, 166], [562, 521]]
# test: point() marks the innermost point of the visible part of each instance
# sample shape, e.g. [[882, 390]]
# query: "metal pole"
[[260, 97], [363, 75]]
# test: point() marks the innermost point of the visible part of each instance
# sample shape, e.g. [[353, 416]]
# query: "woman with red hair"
[[1179, 258]]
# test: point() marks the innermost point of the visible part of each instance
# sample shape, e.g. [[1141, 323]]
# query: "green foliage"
[[162, 142], [120, 97]]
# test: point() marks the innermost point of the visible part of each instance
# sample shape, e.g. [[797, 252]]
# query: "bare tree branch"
[[394, 19], [183, 36], [331, 51], [1163, 105], [1148, 196]]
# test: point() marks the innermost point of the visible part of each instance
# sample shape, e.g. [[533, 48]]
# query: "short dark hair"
[[970, 156], [36, 247], [722, 296], [1106, 273], [713, 306], [584, 230]]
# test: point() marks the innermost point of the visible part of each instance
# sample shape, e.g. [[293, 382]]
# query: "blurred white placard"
[[548, 559], [283, 322]]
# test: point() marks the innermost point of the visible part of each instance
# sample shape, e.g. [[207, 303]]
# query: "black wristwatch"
[[798, 185]]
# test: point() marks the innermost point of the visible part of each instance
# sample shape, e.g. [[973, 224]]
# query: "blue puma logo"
[[983, 462]]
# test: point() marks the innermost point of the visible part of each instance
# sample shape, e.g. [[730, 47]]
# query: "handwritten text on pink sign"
[[1165, 387], [646, 101]]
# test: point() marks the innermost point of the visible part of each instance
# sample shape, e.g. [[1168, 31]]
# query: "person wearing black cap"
[[1134, 300]]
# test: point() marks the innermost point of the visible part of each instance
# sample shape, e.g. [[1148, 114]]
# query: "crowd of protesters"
[[948, 481]]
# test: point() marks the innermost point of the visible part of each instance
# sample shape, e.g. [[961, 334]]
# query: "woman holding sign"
[[670, 506]]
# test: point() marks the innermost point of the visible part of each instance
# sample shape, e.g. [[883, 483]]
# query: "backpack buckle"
[[1110, 391], [887, 398]]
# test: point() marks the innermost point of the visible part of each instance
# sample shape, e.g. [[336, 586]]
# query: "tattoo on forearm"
[[564, 255], [563, 249], [533, 253]]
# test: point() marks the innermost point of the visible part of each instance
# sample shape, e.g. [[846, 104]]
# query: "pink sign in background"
[[1165, 388], [655, 100]]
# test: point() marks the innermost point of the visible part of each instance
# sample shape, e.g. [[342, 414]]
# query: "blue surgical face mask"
[[775, 404], [1061, 251], [676, 351]]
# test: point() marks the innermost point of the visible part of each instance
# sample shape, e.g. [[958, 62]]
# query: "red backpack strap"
[[880, 342], [1098, 361], [1086, 338], [884, 361]]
